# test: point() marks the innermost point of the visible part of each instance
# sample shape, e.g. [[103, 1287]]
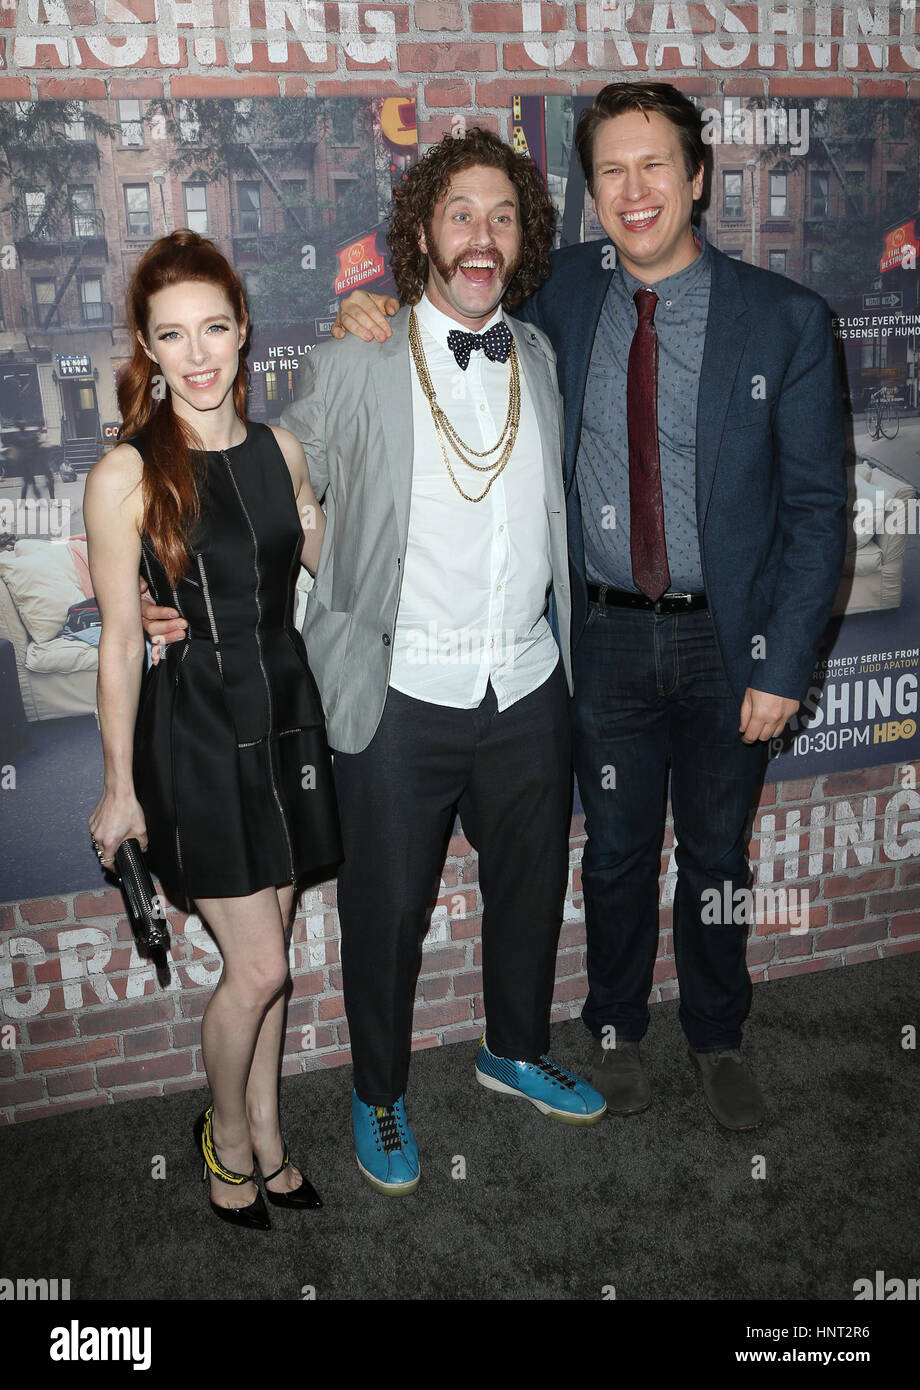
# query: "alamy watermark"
[[465, 646], [43, 516], [742, 907], [766, 125], [884, 515], [887, 1289], [30, 1290]]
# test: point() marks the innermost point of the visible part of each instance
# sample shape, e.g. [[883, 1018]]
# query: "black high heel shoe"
[[255, 1216], [302, 1198]]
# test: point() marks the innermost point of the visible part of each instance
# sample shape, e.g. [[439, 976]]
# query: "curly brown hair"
[[427, 182]]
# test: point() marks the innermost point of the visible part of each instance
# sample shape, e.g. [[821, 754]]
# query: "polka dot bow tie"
[[495, 343]]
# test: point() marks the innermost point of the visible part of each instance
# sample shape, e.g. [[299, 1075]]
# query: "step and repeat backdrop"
[[280, 130], [296, 192], [824, 191]]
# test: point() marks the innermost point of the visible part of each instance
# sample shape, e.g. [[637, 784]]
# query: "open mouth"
[[202, 379], [478, 269], [640, 221]]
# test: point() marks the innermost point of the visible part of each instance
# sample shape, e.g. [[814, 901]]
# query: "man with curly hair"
[[444, 564], [439, 459], [704, 449]]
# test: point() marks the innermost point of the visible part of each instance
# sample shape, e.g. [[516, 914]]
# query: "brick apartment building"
[[87, 185], [820, 215]]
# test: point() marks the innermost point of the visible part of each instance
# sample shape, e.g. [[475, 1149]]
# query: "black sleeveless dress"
[[231, 764]]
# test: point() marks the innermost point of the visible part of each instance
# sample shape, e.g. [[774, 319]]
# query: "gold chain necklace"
[[443, 427]]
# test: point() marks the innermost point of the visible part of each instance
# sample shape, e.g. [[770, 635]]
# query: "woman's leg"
[[250, 934], [262, 1089]]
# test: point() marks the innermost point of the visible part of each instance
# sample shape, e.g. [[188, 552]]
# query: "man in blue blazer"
[[698, 678], [706, 503]]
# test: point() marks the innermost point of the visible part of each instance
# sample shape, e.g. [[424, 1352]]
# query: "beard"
[[448, 269]]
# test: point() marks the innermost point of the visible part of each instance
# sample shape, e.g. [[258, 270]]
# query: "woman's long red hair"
[[174, 458]]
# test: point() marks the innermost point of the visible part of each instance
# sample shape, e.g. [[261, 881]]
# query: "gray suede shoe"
[[618, 1074], [731, 1092]]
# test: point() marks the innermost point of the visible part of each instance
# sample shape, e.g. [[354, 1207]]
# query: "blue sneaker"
[[554, 1091], [385, 1146]]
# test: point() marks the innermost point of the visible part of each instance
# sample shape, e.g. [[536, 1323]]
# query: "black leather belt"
[[605, 597]]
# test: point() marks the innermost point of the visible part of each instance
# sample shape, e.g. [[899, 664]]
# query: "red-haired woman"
[[219, 756]]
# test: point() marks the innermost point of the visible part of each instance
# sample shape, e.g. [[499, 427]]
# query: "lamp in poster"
[[825, 191], [292, 190]]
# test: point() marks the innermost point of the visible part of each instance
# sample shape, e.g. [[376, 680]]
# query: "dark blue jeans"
[[650, 694]]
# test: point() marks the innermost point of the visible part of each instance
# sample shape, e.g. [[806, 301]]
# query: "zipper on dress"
[[268, 693], [207, 603], [175, 598], [188, 642]]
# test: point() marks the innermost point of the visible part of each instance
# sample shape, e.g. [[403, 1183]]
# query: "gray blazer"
[[353, 416]]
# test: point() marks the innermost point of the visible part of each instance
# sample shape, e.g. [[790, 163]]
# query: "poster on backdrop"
[[296, 192], [824, 191]]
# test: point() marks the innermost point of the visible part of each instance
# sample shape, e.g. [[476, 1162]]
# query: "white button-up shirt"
[[477, 575]]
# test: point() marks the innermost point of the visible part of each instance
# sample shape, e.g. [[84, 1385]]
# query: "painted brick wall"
[[86, 1022], [83, 1020]]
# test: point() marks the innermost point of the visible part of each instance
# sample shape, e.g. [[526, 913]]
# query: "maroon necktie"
[[646, 509]]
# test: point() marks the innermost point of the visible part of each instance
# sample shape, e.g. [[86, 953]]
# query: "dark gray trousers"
[[508, 775]]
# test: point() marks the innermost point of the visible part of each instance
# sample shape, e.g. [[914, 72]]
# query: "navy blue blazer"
[[771, 493]]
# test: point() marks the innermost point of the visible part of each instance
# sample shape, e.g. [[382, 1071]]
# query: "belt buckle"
[[670, 598]]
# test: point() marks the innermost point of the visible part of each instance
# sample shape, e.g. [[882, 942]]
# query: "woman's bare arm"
[[113, 511], [312, 516]]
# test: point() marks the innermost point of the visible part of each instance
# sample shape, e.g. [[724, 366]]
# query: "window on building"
[[249, 206], [83, 210], [777, 262], [91, 298], [732, 193], [779, 195], [820, 187], [43, 296], [294, 192], [735, 254], [137, 210], [343, 123], [874, 353], [896, 112], [75, 120], [895, 192], [855, 183], [245, 128], [816, 263], [189, 123], [195, 197], [343, 186], [130, 123], [35, 199]]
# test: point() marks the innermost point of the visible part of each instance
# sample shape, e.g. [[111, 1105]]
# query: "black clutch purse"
[[144, 904]]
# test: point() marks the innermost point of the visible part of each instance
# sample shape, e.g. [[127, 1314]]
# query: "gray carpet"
[[662, 1206]]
